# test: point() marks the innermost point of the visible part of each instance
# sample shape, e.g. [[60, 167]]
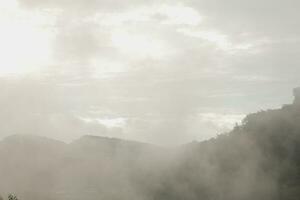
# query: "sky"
[[164, 72]]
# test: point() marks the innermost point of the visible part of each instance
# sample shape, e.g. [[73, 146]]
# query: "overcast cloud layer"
[[164, 72]]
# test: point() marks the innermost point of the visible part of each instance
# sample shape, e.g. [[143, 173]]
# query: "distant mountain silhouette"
[[259, 159]]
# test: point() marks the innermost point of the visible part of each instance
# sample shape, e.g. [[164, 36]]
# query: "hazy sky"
[[164, 72]]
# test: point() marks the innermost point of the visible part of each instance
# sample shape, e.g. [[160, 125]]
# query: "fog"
[[258, 159], [171, 72], [127, 99]]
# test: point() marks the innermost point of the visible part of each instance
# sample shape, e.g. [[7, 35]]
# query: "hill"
[[259, 159]]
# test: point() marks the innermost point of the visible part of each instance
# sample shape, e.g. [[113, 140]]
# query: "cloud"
[[267, 18], [81, 5], [43, 108], [158, 65], [19, 31]]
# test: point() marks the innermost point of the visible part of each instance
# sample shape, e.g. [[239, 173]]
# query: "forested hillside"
[[259, 159]]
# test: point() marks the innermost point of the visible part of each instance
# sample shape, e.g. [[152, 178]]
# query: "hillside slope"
[[259, 159]]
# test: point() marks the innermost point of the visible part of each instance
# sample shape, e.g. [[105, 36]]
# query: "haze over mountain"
[[148, 100], [258, 159], [152, 71]]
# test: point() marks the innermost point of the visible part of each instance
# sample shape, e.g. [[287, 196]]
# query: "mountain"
[[91, 167], [259, 159]]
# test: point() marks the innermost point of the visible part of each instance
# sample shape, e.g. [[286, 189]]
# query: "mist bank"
[[258, 159]]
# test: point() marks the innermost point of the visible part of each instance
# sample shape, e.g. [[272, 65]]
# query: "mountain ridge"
[[258, 159]]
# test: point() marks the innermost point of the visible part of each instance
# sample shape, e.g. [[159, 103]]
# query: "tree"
[[12, 197]]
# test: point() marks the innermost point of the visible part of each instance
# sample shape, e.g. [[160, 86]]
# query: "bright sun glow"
[[24, 46], [23, 49]]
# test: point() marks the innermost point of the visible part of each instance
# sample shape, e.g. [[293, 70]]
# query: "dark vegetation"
[[259, 159], [10, 197]]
